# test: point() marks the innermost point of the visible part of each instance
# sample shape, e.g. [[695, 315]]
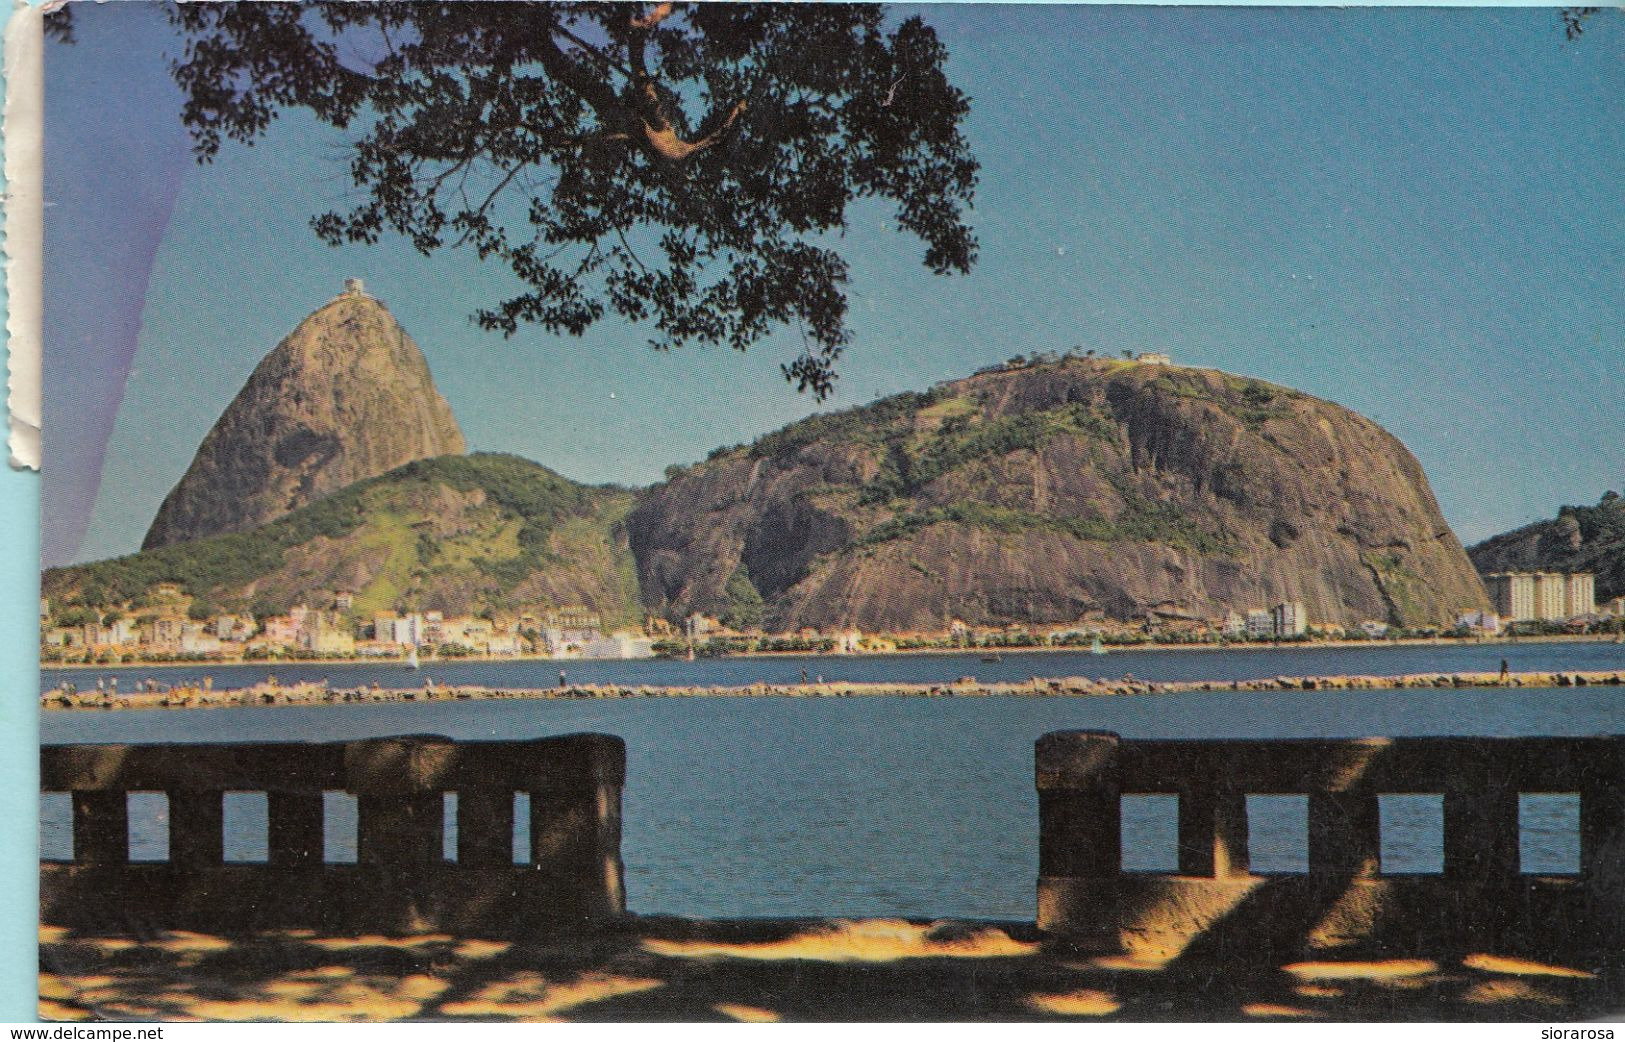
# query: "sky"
[[1413, 212]]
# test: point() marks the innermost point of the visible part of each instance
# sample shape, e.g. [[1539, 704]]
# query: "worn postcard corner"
[[24, 133]]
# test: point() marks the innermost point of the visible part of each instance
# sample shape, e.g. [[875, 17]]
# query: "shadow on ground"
[[658, 969]]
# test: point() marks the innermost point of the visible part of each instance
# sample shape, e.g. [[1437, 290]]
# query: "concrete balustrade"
[[1345, 901], [401, 879]]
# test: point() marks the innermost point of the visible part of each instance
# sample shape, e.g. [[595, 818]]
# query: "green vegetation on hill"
[[541, 498], [1603, 523], [384, 531], [1253, 402], [745, 607], [867, 424], [911, 463], [1147, 523], [206, 565]]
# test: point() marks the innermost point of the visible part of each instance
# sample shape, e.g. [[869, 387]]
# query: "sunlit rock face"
[[1043, 493], [346, 396]]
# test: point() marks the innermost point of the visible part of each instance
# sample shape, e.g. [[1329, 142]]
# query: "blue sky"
[[1413, 212]]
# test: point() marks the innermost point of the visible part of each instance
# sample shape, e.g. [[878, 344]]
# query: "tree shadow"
[[666, 969]]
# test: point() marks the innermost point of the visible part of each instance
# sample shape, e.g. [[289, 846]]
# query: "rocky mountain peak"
[[346, 396], [1046, 493]]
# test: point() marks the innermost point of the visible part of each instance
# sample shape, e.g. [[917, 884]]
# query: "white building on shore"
[[618, 645], [1542, 596], [1289, 619]]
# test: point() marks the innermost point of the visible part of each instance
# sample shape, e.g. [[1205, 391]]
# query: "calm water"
[[891, 806], [1194, 664]]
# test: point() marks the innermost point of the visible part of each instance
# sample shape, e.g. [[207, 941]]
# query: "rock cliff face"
[[347, 396], [1046, 493], [1579, 539]]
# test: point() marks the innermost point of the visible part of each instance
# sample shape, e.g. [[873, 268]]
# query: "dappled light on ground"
[[747, 1014], [1137, 963], [688, 970], [1086, 1002], [190, 949], [50, 1009], [1318, 991], [324, 994], [869, 940], [1385, 970], [1523, 967], [531, 996], [1272, 1011], [339, 944], [1503, 990], [480, 949], [113, 945]]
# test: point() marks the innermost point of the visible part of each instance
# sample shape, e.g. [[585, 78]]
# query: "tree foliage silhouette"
[[689, 165]]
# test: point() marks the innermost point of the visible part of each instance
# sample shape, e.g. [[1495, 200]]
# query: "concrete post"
[[1080, 845], [1345, 837], [1481, 832], [1602, 841], [575, 841], [101, 827], [398, 830], [1213, 841], [294, 828], [1602, 822], [400, 786], [485, 828], [196, 827]]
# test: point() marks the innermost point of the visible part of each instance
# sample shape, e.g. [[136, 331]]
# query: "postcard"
[[821, 512]]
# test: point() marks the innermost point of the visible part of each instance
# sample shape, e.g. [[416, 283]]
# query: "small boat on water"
[[995, 657], [1097, 648], [412, 658]]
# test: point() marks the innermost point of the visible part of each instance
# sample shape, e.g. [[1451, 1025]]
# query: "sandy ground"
[[664, 969]]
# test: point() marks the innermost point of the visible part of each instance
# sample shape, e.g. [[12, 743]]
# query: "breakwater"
[[271, 693]]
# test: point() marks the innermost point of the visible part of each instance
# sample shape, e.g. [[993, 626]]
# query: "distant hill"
[[346, 396], [1041, 493], [1034, 494], [455, 533], [1578, 539]]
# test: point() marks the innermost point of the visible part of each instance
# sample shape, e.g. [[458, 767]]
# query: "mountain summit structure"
[[345, 397]]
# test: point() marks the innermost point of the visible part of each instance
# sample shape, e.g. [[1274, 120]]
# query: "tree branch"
[[603, 59], [659, 13], [665, 142], [477, 214], [595, 92]]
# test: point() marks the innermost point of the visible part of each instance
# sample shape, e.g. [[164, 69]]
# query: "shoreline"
[[266, 694], [1036, 649]]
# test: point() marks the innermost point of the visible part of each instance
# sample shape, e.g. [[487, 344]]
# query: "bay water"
[[879, 806]]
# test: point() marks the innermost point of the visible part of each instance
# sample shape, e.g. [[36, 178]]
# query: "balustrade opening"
[[411, 831], [1463, 837]]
